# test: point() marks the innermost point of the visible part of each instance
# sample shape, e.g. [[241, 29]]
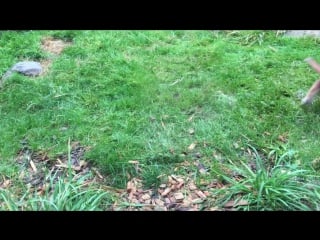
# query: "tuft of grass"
[[282, 186], [61, 195]]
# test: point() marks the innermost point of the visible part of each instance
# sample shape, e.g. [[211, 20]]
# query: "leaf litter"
[[176, 192]]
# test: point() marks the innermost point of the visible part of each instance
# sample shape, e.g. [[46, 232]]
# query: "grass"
[[278, 186], [135, 95]]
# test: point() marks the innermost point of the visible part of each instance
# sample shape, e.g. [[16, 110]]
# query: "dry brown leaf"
[[192, 146], [283, 138]]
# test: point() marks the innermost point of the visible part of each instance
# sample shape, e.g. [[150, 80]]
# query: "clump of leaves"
[[283, 186]]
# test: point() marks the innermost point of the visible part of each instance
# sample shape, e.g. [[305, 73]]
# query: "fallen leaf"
[[192, 146], [283, 138]]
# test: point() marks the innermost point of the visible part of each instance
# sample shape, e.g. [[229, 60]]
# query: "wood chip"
[[145, 197], [160, 202], [97, 172], [201, 194], [160, 208], [197, 201], [179, 185], [165, 192], [178, 196], [192, 186], [33, 166]]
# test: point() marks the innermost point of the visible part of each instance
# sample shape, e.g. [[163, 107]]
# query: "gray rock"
[[28, 68]]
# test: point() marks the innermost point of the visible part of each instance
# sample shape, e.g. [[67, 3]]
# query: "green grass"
[[134, 95], [281, 185]]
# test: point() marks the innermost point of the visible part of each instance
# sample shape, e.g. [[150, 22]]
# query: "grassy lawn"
[[226, 100]]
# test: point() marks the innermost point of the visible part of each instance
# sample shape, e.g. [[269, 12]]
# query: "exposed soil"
[[54, 47]]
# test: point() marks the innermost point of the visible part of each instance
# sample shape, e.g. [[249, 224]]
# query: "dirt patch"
[[54, 46]]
